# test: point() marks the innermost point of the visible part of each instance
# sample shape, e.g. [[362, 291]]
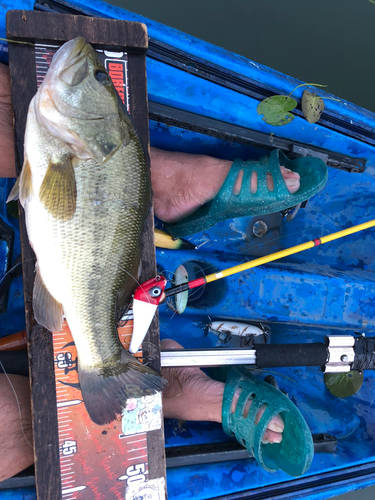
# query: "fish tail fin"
[[106, 390]]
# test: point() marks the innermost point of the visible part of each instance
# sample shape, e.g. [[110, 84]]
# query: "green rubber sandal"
[[295, 452], [226, 205]]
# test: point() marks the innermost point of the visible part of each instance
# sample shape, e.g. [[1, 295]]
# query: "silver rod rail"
[[207, 357]]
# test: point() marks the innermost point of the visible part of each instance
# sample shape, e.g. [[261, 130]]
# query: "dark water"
[[329, 42]]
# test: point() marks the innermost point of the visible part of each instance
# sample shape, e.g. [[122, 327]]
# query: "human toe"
[[276, 424], [272, 437], [292, 179]]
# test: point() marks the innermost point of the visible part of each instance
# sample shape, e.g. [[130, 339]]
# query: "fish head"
[[78, 103]]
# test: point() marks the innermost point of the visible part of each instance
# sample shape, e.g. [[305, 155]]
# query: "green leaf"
[[312, 106], [276, 110], [343, 385]]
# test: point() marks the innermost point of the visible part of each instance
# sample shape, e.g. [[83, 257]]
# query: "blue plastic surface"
[[18, 494], [325, 290], [13, 320]]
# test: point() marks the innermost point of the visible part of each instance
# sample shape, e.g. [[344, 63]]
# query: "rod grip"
[[278, 355]]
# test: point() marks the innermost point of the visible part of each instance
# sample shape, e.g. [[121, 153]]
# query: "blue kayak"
[[203, 100]]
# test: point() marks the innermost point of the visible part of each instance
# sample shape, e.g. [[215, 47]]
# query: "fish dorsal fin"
[[58, 192], [22, 189], [47, 311]]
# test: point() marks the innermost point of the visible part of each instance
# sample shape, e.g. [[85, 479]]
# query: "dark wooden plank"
[[44, 411], [50, 27], [39, 340], [139, 114], [151, 349]]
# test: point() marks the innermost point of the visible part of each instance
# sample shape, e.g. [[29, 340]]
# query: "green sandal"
[[295, 452], [226, 205]]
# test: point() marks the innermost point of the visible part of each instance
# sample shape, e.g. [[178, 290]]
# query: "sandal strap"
[[227, 205], [296, 450]]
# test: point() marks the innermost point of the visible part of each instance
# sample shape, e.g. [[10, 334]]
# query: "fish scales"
[[86, 192]]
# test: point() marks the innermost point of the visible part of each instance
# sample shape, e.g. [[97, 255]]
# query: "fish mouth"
[[79, 49], [70, 53]]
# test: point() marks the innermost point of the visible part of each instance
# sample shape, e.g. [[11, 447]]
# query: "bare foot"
[[192, 395], [182, 182], [7, 166]]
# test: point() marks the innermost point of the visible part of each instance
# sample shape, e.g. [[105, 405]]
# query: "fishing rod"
[[337, 354], [342, 359], [149, 295]]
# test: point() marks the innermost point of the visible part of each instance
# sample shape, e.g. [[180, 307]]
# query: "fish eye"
[[101, 76]]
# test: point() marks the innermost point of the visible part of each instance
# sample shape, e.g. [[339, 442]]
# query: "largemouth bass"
[[86, 192]]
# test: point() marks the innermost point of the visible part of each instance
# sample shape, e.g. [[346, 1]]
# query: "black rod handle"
[[276, 355]]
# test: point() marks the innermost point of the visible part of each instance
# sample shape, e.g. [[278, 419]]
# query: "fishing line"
[[18, 404], [178, 381], [138, 283], [14, 267], [17, 41], [173, 315], [271, 372]]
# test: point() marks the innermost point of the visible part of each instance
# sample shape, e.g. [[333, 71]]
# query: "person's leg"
[[7, 160], [192, 395], [182, 182], [16, 451]]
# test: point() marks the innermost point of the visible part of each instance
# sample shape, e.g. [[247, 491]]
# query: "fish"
[[86, 192]]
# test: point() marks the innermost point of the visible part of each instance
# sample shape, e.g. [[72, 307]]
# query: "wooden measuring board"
[[74, 458], [111, 459]]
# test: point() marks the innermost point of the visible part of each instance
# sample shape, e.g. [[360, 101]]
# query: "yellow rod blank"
[[288, 251]]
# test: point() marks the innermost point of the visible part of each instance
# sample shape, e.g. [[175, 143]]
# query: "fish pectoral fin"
[[47, 311], [58, 192], [22, 189], [15, 191]]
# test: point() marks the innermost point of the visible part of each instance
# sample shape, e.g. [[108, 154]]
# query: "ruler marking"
[[135, 458], [72, 490], [72, 402]]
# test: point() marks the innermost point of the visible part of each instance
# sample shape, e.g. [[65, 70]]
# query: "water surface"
[[330, 42]]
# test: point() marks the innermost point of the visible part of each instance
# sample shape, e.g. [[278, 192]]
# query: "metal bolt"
[[344, 357], [260, 228]]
